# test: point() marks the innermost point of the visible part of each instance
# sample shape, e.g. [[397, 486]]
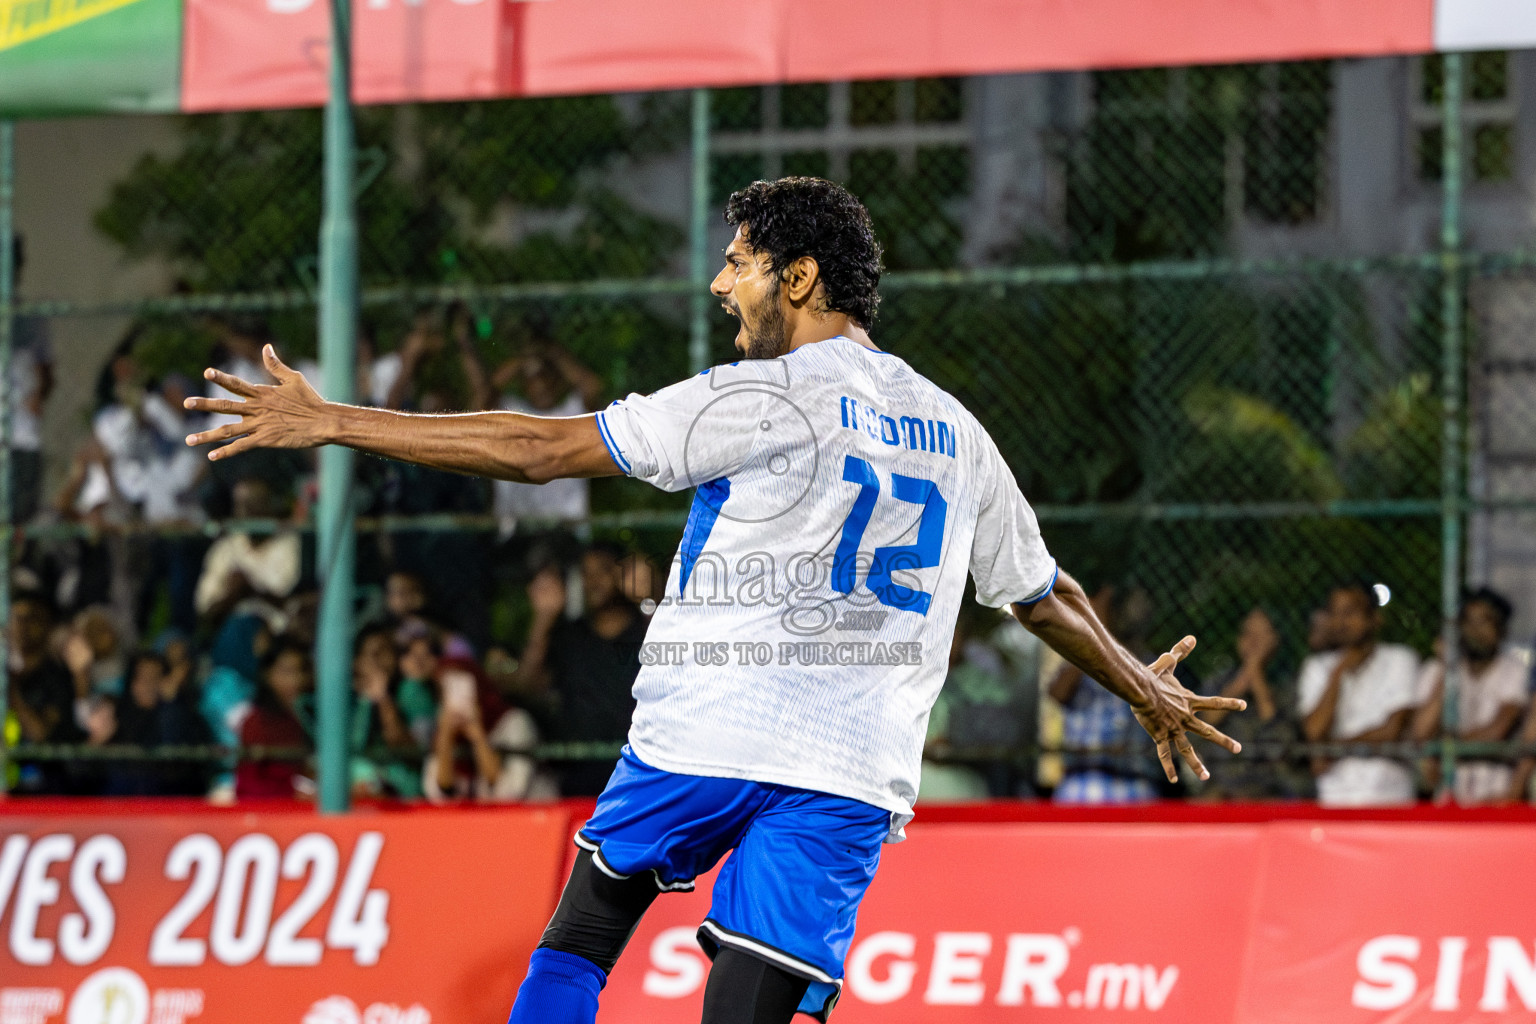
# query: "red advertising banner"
[[424, 916], [241, 54], [1402, 923], [1322, 922], [973, 923], [281, 918]]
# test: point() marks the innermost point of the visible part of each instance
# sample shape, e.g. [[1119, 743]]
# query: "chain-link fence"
[[1208, 318]]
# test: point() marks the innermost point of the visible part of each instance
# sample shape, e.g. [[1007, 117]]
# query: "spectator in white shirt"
[[1490, 696], [253, 572], [1363, 692], [553, 383]]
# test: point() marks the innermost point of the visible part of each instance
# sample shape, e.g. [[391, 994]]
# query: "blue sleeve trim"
[[613, 449], [1044, 593]]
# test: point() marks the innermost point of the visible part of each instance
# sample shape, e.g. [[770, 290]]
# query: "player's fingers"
[[1166, 662], [233, 448], [1181, 650], [1207, 731], [224, 405], [275, 366], [1218, 704], [218, 434], [1165, 755], [229, 382], [1187, 751]]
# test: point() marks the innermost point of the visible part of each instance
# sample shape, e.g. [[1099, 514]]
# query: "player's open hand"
[[1170, 713], [288, 414]]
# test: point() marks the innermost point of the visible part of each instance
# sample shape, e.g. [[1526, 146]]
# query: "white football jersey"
[[805, 632]]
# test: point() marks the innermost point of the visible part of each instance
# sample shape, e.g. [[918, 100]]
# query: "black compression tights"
[[598, 914], [745, 990]]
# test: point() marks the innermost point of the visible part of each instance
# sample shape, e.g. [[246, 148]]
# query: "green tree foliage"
[[449, 194]]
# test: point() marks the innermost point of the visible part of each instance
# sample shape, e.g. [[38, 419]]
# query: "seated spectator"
[[1320, 635], [973, 710], [238, 649], [1363, 692], [92, 650], [148, 714], [405, 607], [553, 383], [143, 430], [31, 383], [1525, 768], [180, 664], [91, 566], [417, 695], [1268, 721], [588, 665], [376, 372], [41, 693], [499, 764], [1110, 758], [250, 572], [1023, 655], [434, 379], [166, 495], [1490, 696], [279, 718], [384, 754], [238, 352]]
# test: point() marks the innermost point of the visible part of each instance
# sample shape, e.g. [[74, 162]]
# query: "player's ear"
[[801, 277]]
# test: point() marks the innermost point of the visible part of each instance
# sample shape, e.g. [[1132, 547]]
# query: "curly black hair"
[[1497, 603], [794, 217]]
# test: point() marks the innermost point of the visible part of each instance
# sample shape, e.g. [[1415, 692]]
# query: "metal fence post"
[[338, 352], [698, 237], [7, 321], [1451, 297]]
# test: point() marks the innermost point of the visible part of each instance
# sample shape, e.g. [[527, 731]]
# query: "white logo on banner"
[[341, 1010], [1388, 975], [333, 1010], [114, 995], [885, 968], [29, 1005]]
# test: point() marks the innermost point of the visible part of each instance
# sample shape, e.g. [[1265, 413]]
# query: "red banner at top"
[[246, 54], [242, 54]]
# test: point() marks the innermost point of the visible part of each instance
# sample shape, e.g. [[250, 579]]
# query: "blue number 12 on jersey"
[[886, 560]]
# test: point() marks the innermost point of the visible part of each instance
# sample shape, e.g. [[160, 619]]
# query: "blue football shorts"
[[789, 892]]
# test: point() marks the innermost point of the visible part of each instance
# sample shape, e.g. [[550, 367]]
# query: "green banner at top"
[[68, 56]]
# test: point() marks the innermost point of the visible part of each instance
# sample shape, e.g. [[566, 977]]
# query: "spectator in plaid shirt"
[[1109, 761]]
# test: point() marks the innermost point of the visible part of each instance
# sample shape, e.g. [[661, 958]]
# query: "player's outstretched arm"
[[503, 445], [1065, 619]]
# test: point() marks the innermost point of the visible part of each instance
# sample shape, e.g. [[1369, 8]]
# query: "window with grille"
[[1487, 117], [868, 135]]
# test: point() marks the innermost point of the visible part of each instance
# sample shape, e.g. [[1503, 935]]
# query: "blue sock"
[[561, 988]]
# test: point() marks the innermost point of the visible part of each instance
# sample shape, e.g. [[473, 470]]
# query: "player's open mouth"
[[742, 330]]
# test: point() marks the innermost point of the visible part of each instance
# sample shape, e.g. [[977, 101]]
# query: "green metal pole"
[[1451, 297], [698, 237], [7, 321], [338, 356]]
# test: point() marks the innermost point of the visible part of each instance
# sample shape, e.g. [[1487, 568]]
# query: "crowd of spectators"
[[172, 631], [1351, 706]]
